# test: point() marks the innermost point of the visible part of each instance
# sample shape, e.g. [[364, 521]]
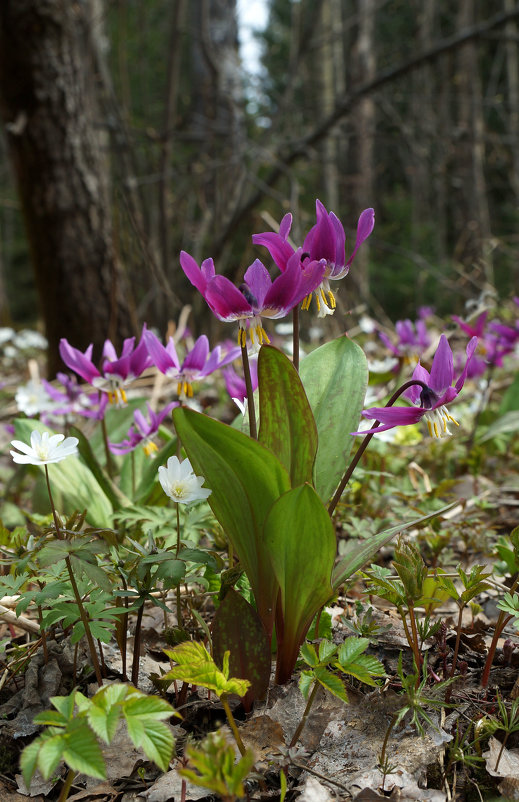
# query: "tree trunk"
[[47, 100]]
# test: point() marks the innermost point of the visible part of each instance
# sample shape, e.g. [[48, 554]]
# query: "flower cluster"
[[305, 271]]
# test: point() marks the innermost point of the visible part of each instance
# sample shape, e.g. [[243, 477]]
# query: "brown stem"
[[137, 646], [53, 508], [84, 619], [361, 449], [505, 739], [295, 337], [304, 717], [502, 621], [250, 394], [232, 724], [67, 785]]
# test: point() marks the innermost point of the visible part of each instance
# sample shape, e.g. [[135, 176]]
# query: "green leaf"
[[50, 753], [245, 479], [335, 378], [331, 682], [506, 424], [104, 722], [110, 489], [362, 552], [309, 654], [301, 540], [352, 661], [306, 680], [73, 484], [326, 650], [287, 423], [28, 761], [157, 741], [196, 666], [82, 752]]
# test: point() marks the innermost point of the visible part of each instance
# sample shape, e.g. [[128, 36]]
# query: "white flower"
[[32, 398], [45, 447], [180, 483], [27, 338]]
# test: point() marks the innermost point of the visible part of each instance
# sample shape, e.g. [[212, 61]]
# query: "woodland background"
[[131, 129]]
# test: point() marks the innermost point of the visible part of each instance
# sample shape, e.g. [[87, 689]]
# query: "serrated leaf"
[[287, 423], [335, 378], [50, 753], [104, 722], [82, 752], [64, 704], [351, 648], [309, 654], [331, 682], [306, 680], [326, 650], [197, 667], [28, 761], [157, 742]]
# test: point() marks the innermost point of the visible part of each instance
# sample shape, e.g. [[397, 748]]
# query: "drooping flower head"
[[429, 403], [325, 241], [258, 296], [117, 372], [44, 449], [180, 483], [198, 363], [142, 431]]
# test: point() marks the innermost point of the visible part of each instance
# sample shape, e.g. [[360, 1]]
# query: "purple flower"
[[142, 431], [430, 402], [413, 339], [258, 296], [325, 240], [198, 362], [117, 372]]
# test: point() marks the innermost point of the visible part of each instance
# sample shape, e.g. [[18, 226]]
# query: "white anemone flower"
[[32, 398], [45, 448], [180, 483]]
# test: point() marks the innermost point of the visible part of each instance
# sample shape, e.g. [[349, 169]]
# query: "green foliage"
[[196, 666], [419, 697], [335, 378], [330, 658], [214, 767], [74, 727], [287, 423], [473, 583]]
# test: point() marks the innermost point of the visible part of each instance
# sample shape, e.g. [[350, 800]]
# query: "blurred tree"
[[47, 101]]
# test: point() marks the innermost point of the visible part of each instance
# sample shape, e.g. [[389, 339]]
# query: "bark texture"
[[47, 101]]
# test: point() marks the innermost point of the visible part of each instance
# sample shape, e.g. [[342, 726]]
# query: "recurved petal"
[[442, 370], [364, 229]]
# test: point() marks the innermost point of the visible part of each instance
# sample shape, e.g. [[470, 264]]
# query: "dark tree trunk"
[[47, 101]]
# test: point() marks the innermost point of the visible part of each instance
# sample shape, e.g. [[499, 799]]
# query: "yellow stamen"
[[306, 302], [189, 390], [323, 296], [123, 395], [179, 388], [261, 335], [317, 302], [111, 399], [251, 335], [453, 420], [429, 426], [436, 430], [150, 449], [331, 296]]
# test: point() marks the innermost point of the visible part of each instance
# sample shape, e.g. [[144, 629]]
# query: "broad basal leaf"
[[335, 378], [246, 479], [301, 541], [287, 423]]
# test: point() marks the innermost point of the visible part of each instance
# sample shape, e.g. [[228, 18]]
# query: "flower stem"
[[179, 608], [361, 449], [232, 724], [295, 337], [108, 456], [67, 785], [82, 612], [250, 394], [84, 620], [304, 717], [137, 646]]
